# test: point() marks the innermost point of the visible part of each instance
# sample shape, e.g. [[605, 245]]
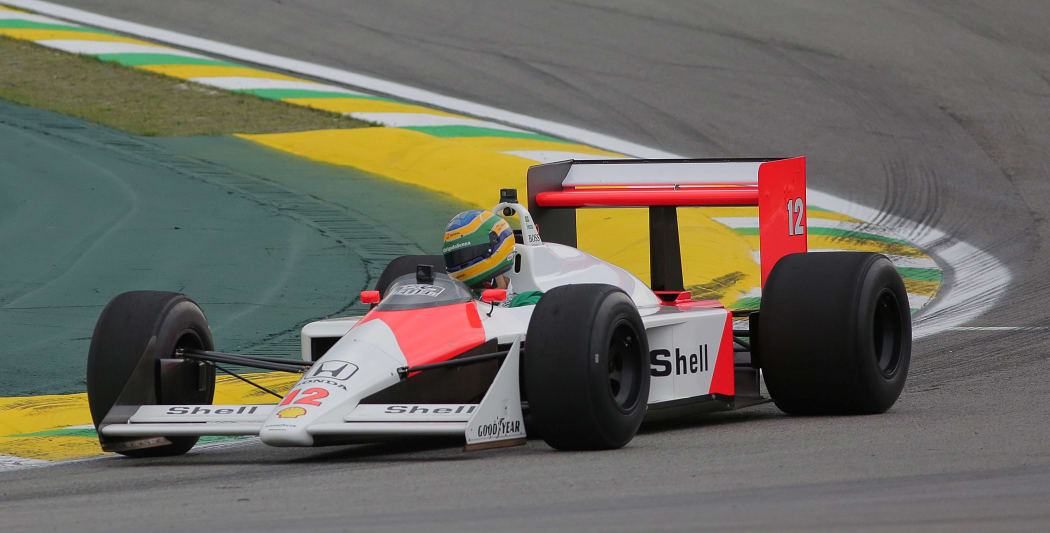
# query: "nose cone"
[[363, 362]]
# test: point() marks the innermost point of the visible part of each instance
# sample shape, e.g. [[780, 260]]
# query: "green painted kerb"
[[17, 24], [922, 274], [478, 131], [137, 60]]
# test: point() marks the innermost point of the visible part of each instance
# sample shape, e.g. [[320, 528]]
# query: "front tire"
[[834, 333], [586, 367], [135, 331]]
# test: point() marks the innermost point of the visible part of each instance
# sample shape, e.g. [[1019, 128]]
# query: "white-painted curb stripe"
[[979, 279], [550, 156], [341, 76], [242, 83], [10, 462], [407, 120], [77, 46]]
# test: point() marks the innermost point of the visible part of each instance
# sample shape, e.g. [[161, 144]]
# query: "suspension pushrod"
[[267, 363], [406, 370]]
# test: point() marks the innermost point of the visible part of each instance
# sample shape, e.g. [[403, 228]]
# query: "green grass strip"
[[747, 303], [923, 274], [478, 131], [18, 24], [137, 60], [280, 94], [69, 432]]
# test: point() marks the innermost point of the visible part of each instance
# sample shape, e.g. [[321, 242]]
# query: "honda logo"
[[334, 369]]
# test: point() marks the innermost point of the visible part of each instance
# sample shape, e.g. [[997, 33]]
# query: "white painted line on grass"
[[979, 279]]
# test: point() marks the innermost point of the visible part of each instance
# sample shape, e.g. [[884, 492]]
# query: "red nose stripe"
[[433, 334], [723, 382]]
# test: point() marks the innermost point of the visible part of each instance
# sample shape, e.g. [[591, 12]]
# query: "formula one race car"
[[598, 354]]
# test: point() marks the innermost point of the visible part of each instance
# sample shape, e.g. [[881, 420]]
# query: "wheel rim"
[[190, 340], [887, 332], [624, 367]]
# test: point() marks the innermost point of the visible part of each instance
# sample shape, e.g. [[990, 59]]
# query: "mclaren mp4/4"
[[599, 353]]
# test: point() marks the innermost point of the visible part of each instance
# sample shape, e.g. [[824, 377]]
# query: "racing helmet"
[[478, 247]]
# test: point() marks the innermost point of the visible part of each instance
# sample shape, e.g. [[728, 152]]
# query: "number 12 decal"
[[795, 210], [309, 397]]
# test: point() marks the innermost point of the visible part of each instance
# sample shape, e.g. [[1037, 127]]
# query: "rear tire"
[[135, 330], [834, 333], [586, 368], [406, 264]]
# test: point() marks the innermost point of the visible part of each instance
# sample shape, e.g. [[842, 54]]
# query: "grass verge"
[[143, 102]]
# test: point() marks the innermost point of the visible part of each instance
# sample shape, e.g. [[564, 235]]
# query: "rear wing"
[[776, 186]]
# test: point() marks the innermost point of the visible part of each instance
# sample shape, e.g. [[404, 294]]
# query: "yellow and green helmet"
[[478, 247]]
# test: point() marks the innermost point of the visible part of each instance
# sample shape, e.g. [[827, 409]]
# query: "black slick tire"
[[835, 333], [586, 368], [135, 330]]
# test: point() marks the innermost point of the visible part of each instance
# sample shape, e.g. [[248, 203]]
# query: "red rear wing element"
[[776, 186]]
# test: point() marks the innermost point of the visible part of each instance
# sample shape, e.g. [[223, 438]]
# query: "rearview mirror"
[[369, 297], [490, 296]]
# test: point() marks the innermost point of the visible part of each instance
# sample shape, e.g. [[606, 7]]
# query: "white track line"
[[979, 279]]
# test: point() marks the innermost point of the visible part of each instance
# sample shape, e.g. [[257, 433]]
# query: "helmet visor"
[[465, 256]]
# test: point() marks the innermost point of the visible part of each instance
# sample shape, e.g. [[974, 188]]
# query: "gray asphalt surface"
[[938, 112]]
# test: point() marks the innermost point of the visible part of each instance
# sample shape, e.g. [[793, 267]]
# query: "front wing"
[[496, 421]]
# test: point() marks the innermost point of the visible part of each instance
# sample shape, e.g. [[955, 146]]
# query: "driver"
[[479, 250]]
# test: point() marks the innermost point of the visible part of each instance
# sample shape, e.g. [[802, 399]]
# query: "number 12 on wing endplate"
[[796, 208]]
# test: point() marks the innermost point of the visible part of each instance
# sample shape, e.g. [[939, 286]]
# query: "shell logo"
[[291, 412]]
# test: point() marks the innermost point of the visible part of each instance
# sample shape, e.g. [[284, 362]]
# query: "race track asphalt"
[[938, 112]]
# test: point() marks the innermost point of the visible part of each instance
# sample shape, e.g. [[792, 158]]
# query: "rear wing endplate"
[[776, 186]]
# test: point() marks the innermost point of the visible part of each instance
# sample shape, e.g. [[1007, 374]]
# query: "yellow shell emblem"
[[291, 412]]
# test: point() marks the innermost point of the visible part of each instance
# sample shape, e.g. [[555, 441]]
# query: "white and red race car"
[[598, 354]]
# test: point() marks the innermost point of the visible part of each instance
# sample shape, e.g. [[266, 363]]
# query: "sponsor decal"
[[334, 369], [418, 289], [662, 363], [207, 410], [424, 410], [456, 246], [498, 428], [328, 382], [291, 412]]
